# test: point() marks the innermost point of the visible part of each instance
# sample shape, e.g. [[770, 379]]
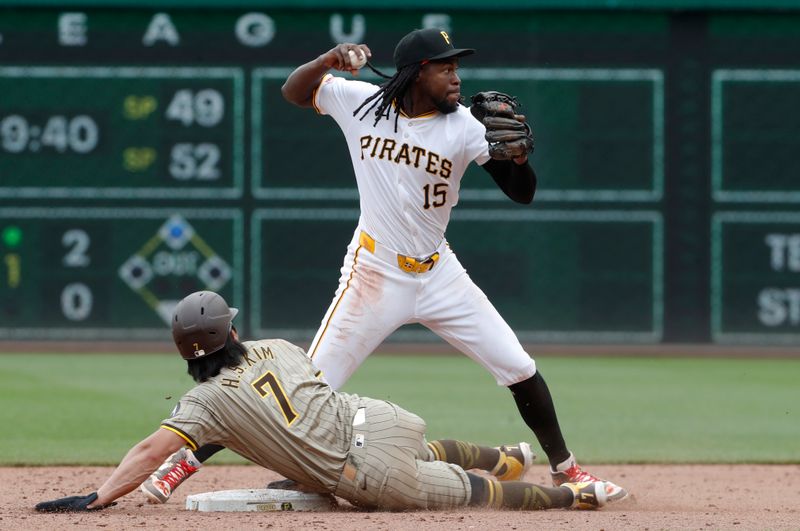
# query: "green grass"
[[89, 409]]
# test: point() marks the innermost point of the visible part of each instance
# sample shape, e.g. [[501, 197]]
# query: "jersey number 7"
[[269, 382]]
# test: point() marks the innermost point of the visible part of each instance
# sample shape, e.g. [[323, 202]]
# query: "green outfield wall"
[[146, 152]]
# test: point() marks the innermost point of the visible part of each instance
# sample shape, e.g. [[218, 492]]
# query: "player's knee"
[[522, 371], [430, 486], [402, 491]]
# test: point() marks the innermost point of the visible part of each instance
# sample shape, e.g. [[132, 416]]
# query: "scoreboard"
[[112, 273], [147, 152], [756, 298], [143, 132]]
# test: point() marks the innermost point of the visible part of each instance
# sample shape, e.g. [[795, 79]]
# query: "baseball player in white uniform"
[[409, 156], [410, 142]]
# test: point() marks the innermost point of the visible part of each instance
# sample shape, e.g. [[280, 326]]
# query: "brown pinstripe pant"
[[389, 465]]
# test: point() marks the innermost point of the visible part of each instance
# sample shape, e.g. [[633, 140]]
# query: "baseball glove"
[[71, 504], [508, 134]]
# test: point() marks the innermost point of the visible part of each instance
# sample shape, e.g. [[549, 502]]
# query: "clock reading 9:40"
[[63, 134]]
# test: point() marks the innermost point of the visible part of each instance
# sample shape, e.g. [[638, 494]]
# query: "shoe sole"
[[151, 498], [601, 493], [284, 484], [527, 456], [617, 497]]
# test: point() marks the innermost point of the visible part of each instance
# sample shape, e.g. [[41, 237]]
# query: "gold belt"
[[406, 263]]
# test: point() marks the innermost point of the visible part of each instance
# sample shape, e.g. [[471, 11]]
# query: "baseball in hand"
[[357, 59]]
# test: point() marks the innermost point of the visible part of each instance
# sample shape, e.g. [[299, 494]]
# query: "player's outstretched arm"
[[299, 86], [139, 463], [517, 181]]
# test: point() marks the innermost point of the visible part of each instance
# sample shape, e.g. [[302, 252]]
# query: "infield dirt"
[[666, 497]]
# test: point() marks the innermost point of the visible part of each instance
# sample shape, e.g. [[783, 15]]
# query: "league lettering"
[[385, 148], [253, 29]]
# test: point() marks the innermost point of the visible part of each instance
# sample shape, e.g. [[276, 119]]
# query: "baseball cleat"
[[175, 470], [587, 495], [283, 484], [570, 472], [514, 462]]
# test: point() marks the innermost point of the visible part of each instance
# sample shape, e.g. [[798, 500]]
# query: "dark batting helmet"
[[201, 324]]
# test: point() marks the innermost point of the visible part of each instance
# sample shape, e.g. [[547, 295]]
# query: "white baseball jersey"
[[408, 182]]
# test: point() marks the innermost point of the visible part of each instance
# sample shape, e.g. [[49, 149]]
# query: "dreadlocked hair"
[[394, 89]]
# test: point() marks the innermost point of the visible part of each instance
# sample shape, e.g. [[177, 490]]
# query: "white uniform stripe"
[[329, 315]]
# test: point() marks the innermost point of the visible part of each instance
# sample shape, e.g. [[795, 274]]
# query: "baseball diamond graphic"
[[175, 250]]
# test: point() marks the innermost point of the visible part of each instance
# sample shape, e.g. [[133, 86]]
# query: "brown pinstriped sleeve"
[[192, 421]]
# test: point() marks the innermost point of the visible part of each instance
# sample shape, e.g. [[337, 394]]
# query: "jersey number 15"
[[437, 193]]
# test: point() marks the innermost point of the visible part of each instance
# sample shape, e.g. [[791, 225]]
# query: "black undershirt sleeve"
[[517, 181]]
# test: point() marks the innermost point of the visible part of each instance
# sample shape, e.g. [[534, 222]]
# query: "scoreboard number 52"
[[204, 108]]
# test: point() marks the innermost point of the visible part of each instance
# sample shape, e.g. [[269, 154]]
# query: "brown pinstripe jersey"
[[273, 410]]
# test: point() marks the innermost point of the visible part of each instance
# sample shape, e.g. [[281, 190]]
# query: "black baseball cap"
[[430, 44]]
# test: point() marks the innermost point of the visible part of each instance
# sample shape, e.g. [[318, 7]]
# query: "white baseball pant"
[[375, 297]]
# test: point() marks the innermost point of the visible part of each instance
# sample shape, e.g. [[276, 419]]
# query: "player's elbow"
[[526, 199], [294, 96], [522, 191], [521, 197]]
